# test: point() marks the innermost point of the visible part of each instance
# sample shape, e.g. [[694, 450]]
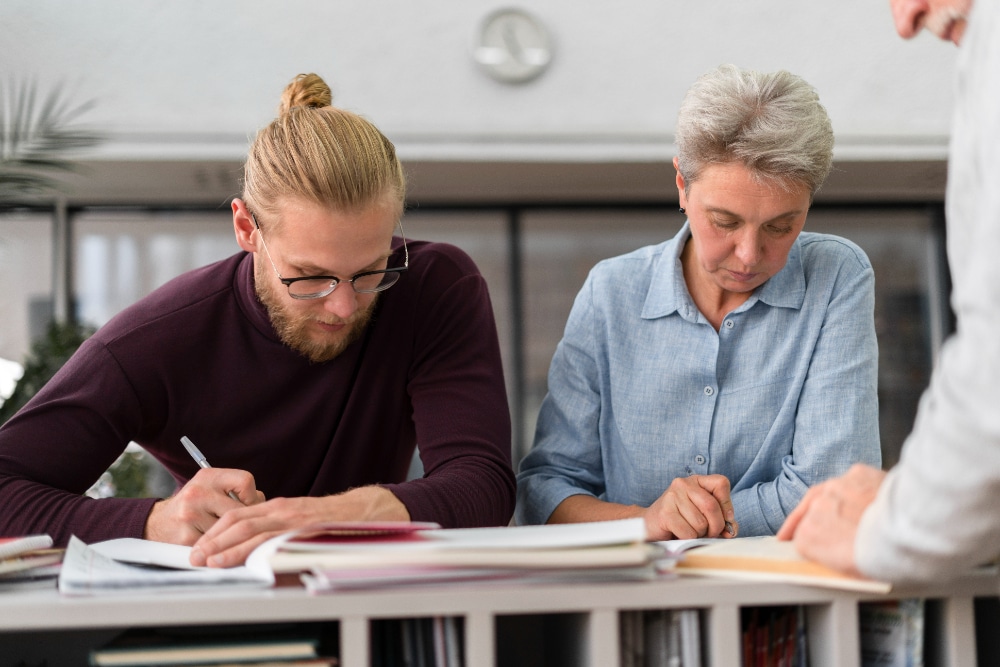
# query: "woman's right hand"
[[695, 506]]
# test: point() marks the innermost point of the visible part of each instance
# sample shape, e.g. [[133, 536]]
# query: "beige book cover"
[[767, 559]]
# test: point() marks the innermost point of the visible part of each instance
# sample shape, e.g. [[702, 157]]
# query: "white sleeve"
[[938, 511]]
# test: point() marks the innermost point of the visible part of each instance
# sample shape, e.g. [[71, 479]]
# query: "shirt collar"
[[668, 292]]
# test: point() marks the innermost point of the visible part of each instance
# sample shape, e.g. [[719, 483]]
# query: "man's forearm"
[[371, 503]]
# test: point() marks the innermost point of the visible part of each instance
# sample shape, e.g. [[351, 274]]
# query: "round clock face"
[[513, 46]]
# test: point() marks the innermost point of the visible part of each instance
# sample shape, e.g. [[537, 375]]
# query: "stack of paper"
[[609, 549], [128, 564], [27, 561], [353, 555]]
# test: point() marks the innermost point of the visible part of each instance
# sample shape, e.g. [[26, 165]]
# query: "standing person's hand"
[[825, 523], [194, 509]]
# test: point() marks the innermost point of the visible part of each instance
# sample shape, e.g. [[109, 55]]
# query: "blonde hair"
[[320, 153], [772, 123]]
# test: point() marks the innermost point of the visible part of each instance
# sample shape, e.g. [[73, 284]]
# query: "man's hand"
[[231, 539], [825, 523], [695, 506], [185, 516]]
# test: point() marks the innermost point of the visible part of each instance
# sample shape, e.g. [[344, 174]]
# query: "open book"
[[767, 559]]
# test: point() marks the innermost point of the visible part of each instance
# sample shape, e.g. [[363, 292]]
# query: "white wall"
[[187, 79]]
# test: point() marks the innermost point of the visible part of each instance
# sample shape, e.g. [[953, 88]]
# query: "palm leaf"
[[36, 135]]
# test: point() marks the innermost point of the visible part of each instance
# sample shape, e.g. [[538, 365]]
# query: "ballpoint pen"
[[202, 462]]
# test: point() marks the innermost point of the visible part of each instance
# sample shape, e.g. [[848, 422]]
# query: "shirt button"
[[709, 391], [700, 460], [730, 324]]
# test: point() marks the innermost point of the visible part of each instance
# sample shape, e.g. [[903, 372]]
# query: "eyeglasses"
[[316, 287]]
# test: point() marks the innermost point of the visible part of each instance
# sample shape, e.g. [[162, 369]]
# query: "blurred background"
[[537, 136]]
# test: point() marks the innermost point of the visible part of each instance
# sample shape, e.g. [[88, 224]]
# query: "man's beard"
[[294, 329]]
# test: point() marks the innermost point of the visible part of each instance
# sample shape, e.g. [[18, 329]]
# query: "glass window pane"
[[26, 277], [121, 256]]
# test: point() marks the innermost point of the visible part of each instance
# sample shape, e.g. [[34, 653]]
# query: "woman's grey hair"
[[772, 123]]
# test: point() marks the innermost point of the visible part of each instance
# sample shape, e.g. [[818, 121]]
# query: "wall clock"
[[513, 46]]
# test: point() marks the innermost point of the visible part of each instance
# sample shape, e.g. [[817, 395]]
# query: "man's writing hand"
[[231, 539], [194, 509]]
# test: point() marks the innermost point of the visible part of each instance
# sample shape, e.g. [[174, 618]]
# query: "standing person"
[[937, 512], [306, 369], [705, 383]]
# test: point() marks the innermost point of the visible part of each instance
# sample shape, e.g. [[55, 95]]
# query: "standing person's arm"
[[938, 511]]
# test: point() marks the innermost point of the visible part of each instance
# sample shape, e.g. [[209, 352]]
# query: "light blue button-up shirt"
[[642, 388]]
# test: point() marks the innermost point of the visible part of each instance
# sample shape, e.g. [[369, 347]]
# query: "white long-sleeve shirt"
[[938, 511]]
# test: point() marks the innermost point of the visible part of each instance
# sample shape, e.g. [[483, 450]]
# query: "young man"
[[938, 511], [306, 369]]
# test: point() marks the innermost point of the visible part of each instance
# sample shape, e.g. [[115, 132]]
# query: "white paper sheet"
[[95, 569]]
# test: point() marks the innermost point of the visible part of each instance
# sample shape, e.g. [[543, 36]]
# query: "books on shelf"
[[892, 633], [212, 646], [774, 636], [660, 638], [417, 642], [767, 559]]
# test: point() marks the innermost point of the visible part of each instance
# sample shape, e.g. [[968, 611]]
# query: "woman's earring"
[[681, 209]]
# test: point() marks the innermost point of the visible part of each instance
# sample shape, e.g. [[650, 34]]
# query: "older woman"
[[706, 382]]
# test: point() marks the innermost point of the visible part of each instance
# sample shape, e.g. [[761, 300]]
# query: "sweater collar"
[[246, 297]]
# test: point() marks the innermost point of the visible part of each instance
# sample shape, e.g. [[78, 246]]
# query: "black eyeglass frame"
[[334, 280]]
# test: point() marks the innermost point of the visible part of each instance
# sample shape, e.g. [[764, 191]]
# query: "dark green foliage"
[[128, 475], [47, 356]]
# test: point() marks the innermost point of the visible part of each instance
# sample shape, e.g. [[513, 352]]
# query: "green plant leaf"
[[36, 136]]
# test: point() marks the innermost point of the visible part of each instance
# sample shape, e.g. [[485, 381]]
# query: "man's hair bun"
[[305, 90]]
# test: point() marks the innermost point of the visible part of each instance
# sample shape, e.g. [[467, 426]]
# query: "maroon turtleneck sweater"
[[199, 357]]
